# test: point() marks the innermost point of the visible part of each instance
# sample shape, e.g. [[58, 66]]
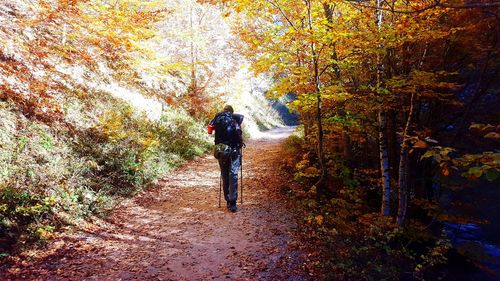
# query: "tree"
[[384, 67], [54, 38], [298, 41]]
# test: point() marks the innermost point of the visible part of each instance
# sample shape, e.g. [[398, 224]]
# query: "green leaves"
[[474, 166], [474, 173], [492, 174], [348, 119], [487, 163]]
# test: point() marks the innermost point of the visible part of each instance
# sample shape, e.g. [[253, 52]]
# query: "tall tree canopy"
[[416, 73]]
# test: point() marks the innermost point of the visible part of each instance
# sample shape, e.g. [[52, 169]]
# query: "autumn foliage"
[[397, 102], [45, 40], [69, 146], [398, 106], [98, 99]]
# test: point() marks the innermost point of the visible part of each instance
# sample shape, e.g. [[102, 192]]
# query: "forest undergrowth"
[[59, 175], [353, 241]]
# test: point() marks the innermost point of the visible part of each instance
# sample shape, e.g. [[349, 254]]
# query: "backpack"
[[227, 131]]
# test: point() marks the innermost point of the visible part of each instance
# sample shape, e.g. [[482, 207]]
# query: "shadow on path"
[[175, 231]]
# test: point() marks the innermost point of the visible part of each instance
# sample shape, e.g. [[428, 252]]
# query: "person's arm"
[[211, 125]]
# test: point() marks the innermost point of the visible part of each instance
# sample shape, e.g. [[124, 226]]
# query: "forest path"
[[175, 231]]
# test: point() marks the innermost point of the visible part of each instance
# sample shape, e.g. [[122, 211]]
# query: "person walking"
[[228, 144]]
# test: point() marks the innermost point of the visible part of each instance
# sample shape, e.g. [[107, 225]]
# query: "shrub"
[[60, 174], [357, 242], [129, 151]]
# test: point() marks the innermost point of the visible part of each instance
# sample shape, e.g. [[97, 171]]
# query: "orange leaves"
[[36, 104], [319, 219], [420, 144], [492, 135], [486, 130], [445, 169], [43, 39]]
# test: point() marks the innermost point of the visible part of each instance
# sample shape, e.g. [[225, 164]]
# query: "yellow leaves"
[[312, 172], [177, 66], [255, 42], [319, 219], [149, 142], [302, 164], [336, 93], [119, 126], [111, 125], [261, 66], [91, 164], [117, 28], [422, 78], [282, 87], [305, 170]]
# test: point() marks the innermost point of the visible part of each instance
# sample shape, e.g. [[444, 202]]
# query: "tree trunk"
[[403, 167], [384, 165], [347, 147], [393, 144], [321, 183], [382, 119], [194, 82], [403, 185]]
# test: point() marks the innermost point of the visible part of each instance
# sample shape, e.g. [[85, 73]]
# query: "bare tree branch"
[[282, 13]]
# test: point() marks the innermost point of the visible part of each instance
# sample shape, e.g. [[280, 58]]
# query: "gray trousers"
[[229, 172]]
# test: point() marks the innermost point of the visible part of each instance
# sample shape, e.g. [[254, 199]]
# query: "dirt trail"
[[175, 231]]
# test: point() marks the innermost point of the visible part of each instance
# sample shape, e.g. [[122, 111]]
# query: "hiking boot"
[[231, 205], [233, 208]]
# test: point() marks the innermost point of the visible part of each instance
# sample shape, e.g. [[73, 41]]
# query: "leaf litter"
[[175, 231]]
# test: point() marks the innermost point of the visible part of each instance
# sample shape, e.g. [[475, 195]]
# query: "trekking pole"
[[241, 170], [220, 187]]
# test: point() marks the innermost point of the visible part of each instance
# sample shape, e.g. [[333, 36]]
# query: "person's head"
[[228, 108]]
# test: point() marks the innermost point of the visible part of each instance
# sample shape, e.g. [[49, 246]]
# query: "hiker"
[[228, 144]]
